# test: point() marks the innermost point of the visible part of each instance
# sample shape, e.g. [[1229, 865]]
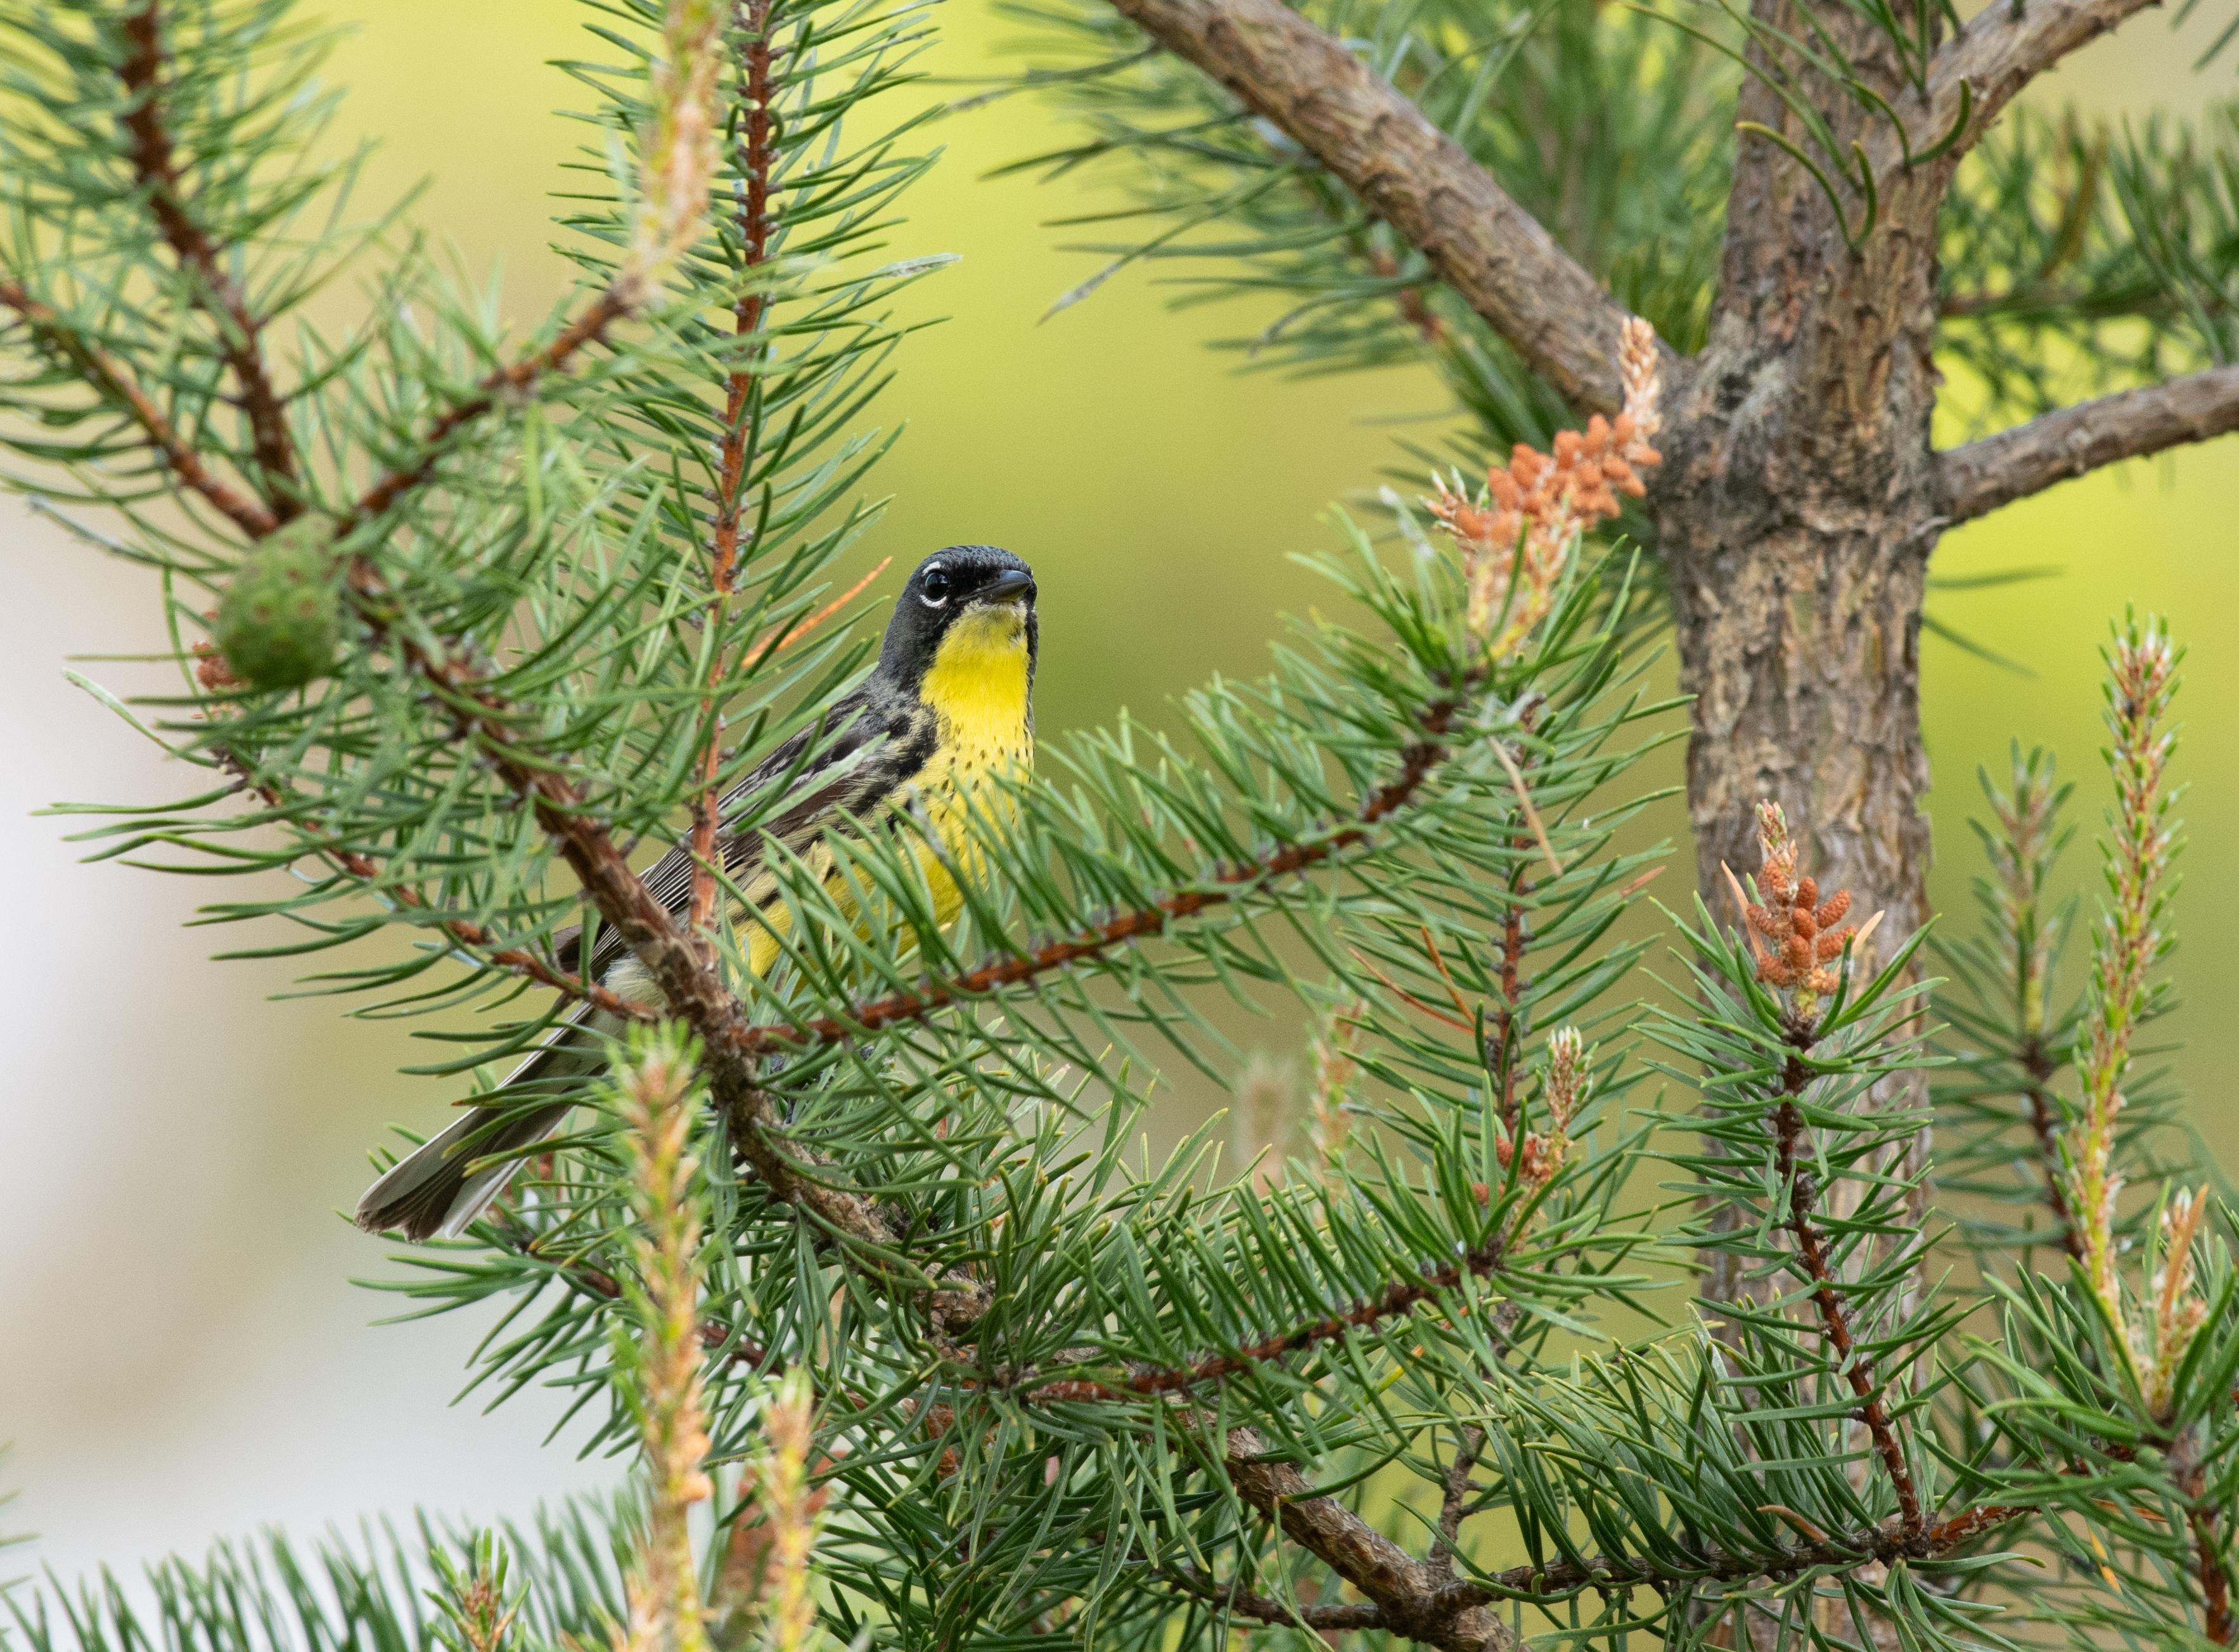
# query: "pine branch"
[[1983, 66], [716, 1337], [1501, 1059], [2217, 1622], [1371, 137], [1453, 1501], [2044, 1129], [742, 419], [1885, 1543], [691, 986], [1826, 1295], [1409, 1596], [1983, 475], [585, 330], [155, 165], [1400, 1297], [1419, 762], [111, 379], [1238, 1601]]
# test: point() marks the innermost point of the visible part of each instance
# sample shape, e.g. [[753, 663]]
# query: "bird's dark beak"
[[1014, 584]]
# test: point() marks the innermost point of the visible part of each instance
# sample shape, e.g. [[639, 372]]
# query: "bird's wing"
[[866, 743]]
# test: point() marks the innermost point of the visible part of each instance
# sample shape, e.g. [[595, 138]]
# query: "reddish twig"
[[1418, 760], [2215, 1585], [742, 417], [111, 379], [1811, 1248], [1460, 1017], [587, 329], [779, 638], [1399, 1297], [156, 167]]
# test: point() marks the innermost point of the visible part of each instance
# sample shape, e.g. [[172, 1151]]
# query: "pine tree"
[[863, 1253], [1825, 208]]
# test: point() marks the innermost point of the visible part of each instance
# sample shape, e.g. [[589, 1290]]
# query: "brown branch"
[[111, 379], [1408, 1596], [1834, 1319], [1882, 1545], [741, 417], [1453, 1501], [1981, 68], [1370, 137], [2215, 1586], [1982, 475], [1402, 1296], [156, 167], [587, 329], [1417, 762], [1240, 1601], [1413, 1600], [2201, 1517]]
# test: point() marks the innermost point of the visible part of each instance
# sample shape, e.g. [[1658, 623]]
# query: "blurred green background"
[[180, 1354]]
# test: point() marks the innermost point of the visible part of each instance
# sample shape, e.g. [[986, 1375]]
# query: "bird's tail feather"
[[439, 1187]]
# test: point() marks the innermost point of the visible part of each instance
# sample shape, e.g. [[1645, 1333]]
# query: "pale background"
[[182, 1357]]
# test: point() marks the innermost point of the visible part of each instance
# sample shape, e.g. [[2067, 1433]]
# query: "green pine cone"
[[276, 622]]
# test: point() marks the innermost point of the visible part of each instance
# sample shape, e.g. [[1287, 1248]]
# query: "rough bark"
[[1796, 510], [2031, 457], [1412, 1597], [1799, 499]]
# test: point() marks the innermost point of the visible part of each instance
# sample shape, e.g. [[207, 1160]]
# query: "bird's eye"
[[933, 586]]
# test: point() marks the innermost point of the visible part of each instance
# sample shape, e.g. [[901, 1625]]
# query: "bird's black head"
[[974, 596]]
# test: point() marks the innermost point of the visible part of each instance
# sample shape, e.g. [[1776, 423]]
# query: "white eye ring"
[[936, 572]]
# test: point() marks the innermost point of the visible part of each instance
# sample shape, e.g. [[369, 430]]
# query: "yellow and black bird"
[[948, 708]]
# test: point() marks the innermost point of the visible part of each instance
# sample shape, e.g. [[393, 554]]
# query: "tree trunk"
[[1795, 512]]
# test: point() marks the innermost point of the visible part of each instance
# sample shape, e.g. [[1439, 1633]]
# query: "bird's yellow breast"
[[979, 687]]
